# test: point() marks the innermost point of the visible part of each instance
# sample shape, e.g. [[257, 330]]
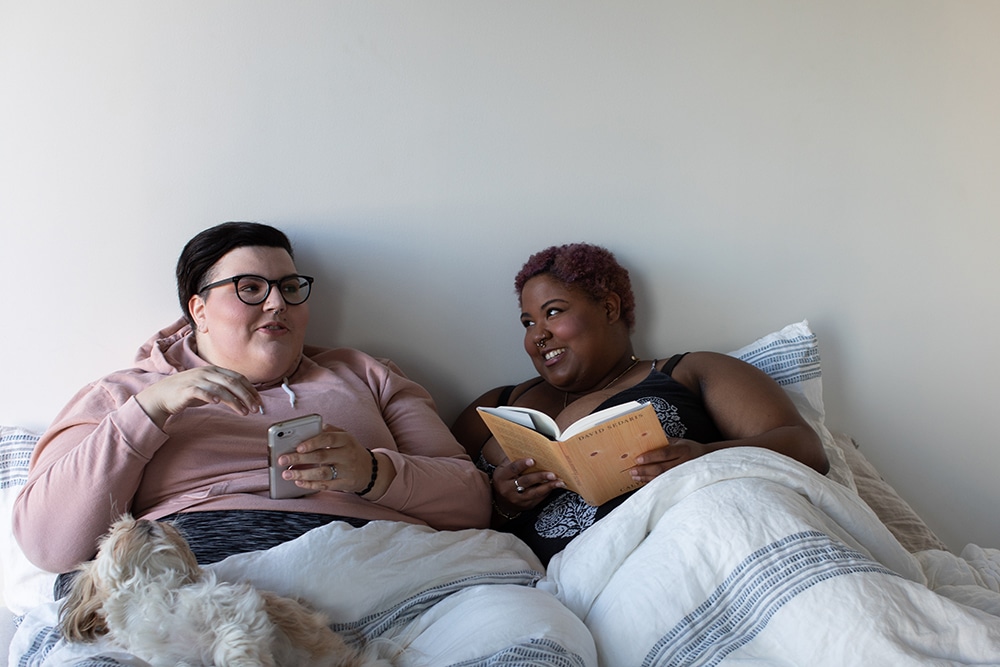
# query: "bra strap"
[[504, 398]]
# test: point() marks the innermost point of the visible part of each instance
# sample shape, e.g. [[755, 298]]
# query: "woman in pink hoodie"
[[183, 434]]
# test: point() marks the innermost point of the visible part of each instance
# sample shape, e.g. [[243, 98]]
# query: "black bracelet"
[[496, 508], [371, 483]]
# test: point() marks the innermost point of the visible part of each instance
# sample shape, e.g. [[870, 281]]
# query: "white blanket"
[[439, 598], [740, 556], [746, 555]]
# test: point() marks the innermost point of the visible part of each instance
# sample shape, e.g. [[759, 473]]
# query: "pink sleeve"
[[436, 481], [83, 474]]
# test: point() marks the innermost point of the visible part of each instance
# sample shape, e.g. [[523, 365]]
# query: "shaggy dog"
[[146, 591]]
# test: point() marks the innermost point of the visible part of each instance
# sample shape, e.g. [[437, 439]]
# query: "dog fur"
[[146, 591]]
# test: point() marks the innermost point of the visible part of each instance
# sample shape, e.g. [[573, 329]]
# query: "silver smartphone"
[[282, 438]]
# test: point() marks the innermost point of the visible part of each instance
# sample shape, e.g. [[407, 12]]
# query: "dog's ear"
[[192, 571], [80, 616]]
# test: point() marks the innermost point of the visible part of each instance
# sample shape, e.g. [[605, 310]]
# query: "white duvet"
[[745, 556], [440, 598], [740, 556]]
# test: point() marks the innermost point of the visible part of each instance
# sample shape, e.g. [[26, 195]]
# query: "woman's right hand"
[[198, 386], [535, 486]]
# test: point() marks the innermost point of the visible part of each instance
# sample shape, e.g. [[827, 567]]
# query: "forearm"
[[447, 493], [750, 409], [435, 479], [799, 442]]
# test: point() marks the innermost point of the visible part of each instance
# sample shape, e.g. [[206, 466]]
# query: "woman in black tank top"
[[578, 312]]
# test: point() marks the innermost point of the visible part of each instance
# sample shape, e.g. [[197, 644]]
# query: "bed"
[[760, 593]]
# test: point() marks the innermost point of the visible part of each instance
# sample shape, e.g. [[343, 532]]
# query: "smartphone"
[[282, 438]]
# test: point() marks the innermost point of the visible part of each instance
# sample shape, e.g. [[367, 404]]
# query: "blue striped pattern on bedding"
[[753, 593], [379, 623], [787, 360], [538, 652], [16, 446], [46, 639]]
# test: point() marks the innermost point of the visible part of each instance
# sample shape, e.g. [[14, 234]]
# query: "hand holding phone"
[[283, 438]]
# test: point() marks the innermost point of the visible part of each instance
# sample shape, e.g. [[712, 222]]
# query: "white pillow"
[[791, 358], [24, 585]]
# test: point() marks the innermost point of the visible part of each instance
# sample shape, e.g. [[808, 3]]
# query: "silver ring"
[[333, 472], [517, 486]]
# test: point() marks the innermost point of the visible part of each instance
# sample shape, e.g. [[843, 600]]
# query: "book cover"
[[592, 456]]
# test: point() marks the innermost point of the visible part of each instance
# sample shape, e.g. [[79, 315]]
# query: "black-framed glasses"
[[254, 290]]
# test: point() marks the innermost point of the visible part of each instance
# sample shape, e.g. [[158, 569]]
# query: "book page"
[[522, 442], [528, 418]]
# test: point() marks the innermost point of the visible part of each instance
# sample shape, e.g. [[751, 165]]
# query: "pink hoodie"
[[103, 456]]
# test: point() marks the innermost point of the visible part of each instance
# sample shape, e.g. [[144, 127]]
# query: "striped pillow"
[[24, 585], [16, 446], [791, 357]]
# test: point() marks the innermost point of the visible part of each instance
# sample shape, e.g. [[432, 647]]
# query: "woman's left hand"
[[517, 490], [657, 461], [334, 461]]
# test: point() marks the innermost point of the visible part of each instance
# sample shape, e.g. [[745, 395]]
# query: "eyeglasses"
[[254, 290]]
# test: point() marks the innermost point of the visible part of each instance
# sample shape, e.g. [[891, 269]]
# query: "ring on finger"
[[517, 486], [333, 472]]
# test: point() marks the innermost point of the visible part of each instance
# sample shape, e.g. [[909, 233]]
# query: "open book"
[[592, 456]]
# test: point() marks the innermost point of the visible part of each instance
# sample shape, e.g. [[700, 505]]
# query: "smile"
[[554, 353]]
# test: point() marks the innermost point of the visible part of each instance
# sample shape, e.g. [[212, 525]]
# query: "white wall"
[[752, 163]]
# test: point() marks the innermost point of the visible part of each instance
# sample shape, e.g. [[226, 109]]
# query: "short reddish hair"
[[584, 266]]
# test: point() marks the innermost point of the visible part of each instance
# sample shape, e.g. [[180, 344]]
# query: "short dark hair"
[[587, 267], [202, 252]]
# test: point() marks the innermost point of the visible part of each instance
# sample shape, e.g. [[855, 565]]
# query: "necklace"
[[635, 360]]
